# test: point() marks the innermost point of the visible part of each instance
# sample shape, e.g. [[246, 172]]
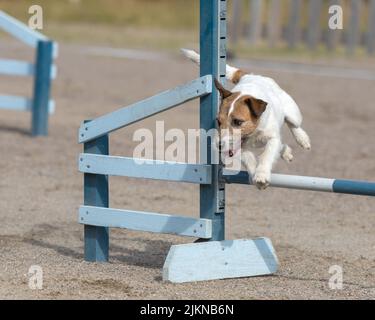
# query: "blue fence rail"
[[42, 71], [96, 164]]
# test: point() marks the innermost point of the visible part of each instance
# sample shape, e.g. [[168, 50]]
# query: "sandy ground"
[[41, 190]]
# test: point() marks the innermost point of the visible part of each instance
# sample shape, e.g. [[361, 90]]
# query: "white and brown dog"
[[258, 108]]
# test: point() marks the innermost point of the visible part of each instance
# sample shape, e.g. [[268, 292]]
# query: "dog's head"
[[238, 118]]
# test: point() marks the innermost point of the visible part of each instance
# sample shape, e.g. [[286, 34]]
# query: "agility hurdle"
[[211, 256], [43, 71]]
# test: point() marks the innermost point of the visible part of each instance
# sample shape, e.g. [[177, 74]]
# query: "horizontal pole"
[[16, 68], [308, 183], [21, 68], [21, 104], [20, 30], [145, 221], [144, 109], [144, 168]]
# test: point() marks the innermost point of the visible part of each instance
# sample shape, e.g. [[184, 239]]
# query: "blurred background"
[[296, 29]]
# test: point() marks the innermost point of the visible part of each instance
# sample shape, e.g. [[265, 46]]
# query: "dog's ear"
[[224, 93], [256, 106]]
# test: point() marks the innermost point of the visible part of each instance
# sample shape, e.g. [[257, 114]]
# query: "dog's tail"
[[232, 74]]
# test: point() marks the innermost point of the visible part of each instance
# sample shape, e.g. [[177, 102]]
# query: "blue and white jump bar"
[[355, 187]]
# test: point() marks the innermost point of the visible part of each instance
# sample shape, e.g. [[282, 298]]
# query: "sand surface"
[[41, 190]]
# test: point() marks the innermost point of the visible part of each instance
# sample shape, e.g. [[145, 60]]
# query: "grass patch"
[[177, 14]]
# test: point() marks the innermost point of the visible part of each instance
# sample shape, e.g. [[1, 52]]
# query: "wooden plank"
[[145, 221], [21, 68], [42, 88], [294, 27], [20, 30], [16, 68], [96, 193], [149, 169], [273, 24], [15, 103], [354, 33], [255, 27], [371, 28], [212, 196], [220, 260], [21, 104], [145, 108], [313, 30]]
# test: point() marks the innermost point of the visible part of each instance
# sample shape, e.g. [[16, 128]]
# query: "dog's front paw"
[[262, 179]]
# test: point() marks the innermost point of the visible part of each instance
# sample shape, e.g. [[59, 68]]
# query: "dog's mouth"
[[235, 149]]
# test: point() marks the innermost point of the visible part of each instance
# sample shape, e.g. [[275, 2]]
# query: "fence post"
[[42, 88], [212, 39], [236, 21], [273, 24], [313, 29], [255, 27], [96, 194], [371, 28], [354, 27], [294, 28], [333, 36]]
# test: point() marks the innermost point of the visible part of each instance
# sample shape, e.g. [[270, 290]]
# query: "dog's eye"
[[237, 122]]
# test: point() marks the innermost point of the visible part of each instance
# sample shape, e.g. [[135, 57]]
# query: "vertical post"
[[294, 28], [255, 28], [42, 88], [371, 28], [333, 36], [313, 31], [273, 24], [354, 28], [96, 194], [236, 20], [213, 17]]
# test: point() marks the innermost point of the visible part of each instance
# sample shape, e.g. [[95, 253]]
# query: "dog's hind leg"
[[286, 153], [300, 135], [293, 119]]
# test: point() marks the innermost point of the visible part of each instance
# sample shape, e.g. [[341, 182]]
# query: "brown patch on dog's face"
[[222, 117], [237, 113], [245, 114]]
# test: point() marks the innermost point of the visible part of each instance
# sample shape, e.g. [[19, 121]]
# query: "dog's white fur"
[[281, 108]]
